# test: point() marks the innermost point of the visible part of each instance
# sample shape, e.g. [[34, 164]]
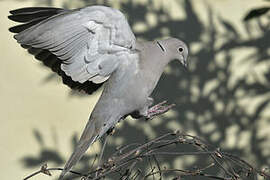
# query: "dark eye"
[[180, 49]]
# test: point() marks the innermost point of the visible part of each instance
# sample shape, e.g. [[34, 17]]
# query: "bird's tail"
[[88, 137]]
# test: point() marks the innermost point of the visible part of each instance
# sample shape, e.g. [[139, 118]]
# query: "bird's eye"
[[180, 49]]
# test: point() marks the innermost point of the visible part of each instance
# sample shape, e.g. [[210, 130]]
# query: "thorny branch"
[[124, 162]]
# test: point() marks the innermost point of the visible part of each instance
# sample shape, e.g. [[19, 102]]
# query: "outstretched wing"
[[82, 45]]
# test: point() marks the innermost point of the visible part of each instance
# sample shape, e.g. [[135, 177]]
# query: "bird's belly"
[[129, 95], [132, 97]]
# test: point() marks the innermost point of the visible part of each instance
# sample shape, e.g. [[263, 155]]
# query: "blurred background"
[[224, 97]]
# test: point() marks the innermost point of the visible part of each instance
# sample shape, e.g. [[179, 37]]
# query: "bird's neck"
[[153, 58], [152, 62]]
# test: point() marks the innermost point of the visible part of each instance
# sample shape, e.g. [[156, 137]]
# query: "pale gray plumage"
[[96, 44], [86, 40]]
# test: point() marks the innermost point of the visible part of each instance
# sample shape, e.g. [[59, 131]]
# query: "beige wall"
[[27, 103]]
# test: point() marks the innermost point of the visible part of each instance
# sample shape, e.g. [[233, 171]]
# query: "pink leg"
[[158, 109]]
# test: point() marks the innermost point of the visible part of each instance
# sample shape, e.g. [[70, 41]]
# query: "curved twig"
[[125, 160]]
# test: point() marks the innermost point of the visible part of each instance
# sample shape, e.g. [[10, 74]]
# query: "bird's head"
[[177, 49]]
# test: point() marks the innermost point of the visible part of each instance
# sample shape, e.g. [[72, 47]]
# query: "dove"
[[92, 46]]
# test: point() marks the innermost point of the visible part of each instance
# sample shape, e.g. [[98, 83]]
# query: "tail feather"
[[88, 137]]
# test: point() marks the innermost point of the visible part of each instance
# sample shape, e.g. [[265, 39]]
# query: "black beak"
[[186, 60], [185, 64]]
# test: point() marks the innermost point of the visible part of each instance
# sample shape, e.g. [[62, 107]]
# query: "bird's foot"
[[158, 109]]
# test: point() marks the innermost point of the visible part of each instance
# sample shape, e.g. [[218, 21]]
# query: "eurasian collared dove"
[[93, 45]]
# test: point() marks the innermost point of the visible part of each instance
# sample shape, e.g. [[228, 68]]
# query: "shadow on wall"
[[210, 97]]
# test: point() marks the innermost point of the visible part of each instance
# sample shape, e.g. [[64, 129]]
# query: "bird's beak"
[[183, 61]]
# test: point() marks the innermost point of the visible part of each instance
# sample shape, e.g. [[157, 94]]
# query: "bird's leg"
[[147, 113], [158, 109]]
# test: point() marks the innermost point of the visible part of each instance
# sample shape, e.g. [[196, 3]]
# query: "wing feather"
[[86, 42]]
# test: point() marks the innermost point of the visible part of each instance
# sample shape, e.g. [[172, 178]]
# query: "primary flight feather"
[[91, 46]]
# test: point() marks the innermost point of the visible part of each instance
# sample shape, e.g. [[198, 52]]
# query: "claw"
[[158, 109]]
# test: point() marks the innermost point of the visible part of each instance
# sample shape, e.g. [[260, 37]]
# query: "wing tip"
[[31, 9], [11, 29], [10, 17], [19, 10], [12, 11]]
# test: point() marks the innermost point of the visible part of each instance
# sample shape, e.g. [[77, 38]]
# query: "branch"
[[125, 161]]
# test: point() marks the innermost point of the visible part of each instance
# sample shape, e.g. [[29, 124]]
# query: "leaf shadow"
[[208, 103]]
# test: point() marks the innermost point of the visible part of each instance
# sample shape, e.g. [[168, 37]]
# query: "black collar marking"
[[161, 47]]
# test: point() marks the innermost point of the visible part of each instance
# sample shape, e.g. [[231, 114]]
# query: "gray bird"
[[91, 46]]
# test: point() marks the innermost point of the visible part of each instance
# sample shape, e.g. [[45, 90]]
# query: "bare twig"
[[46, 171], [125, 161]]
